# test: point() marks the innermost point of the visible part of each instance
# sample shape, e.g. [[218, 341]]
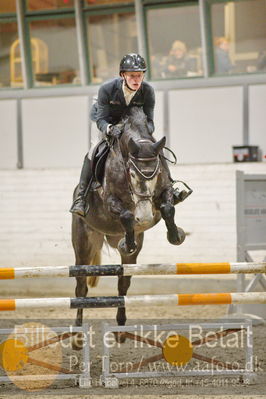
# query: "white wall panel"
[[8, 134], [55, 131], [257, 120], [205, 123]]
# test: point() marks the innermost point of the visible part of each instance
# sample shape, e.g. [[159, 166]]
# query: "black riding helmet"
[[132, 63]]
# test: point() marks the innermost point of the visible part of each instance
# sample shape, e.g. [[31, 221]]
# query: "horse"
[[135, 194]]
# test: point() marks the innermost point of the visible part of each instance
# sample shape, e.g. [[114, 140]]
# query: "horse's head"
[[143, 170]]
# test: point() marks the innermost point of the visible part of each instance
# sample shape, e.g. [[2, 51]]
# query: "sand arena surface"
[[157, 387]]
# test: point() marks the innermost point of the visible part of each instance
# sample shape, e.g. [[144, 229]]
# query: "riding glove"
[[114, 131]]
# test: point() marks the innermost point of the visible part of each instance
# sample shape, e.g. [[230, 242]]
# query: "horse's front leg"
[[124, 284], [126, 245], [175, 235]]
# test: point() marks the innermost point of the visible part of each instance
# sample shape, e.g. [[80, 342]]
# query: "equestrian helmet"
[[132, 63]]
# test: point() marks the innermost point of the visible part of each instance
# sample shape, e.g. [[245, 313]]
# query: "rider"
[[114, 98]]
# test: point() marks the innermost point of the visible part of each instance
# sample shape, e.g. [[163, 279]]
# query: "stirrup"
[[183, 194]]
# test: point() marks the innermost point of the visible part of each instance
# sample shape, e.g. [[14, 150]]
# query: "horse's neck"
[[137, 136]]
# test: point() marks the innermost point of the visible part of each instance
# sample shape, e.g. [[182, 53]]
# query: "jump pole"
[[139, 300], [8, 273]]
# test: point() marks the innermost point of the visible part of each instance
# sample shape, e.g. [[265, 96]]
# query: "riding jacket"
[[112, 105]]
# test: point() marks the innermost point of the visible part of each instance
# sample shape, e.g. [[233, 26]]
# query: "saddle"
[[98, 160]]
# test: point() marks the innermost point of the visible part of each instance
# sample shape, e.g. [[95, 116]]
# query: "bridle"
[[132, 160]]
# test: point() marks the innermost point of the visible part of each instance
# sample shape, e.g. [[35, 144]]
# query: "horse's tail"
[[96, 260]]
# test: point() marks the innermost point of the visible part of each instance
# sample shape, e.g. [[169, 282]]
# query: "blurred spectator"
[[223, 63], [261, 62], [157, 66], [179, 63]]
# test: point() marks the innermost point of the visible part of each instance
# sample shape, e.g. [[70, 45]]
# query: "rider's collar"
[[128, 93]]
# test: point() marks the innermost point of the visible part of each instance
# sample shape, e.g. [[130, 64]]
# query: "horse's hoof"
[[176, 237], [77, 341], [124, 249], [120, 337]]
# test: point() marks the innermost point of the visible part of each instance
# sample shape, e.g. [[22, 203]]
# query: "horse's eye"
[[132, 174]]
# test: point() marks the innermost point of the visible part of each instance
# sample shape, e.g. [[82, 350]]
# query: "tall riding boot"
[[79, 203]]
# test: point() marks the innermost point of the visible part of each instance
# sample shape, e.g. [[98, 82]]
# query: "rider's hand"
[[114, 131]]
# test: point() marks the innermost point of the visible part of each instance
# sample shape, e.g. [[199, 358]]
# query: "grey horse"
[[135, 194]]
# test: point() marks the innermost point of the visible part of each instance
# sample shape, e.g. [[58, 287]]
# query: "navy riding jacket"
[[112, 105]]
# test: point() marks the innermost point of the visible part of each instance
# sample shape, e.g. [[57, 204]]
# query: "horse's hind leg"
[[124, 283], [87, 243], [80, 291]]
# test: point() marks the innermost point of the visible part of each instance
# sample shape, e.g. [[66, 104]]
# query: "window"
[[107, 2], [7, 6], [239, 37], [34, 5], [54, 53], [109, 38], [174, 42], [10, 58]]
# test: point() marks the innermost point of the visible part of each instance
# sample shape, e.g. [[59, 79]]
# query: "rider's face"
[[134, 79]]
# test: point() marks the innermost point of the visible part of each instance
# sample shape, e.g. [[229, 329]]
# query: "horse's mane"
[[135, 123], [136, 113]]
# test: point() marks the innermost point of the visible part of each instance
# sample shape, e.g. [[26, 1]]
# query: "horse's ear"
[[133, 146], [159, 145]]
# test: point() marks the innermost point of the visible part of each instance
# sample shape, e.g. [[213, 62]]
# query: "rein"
[[169, 160]]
